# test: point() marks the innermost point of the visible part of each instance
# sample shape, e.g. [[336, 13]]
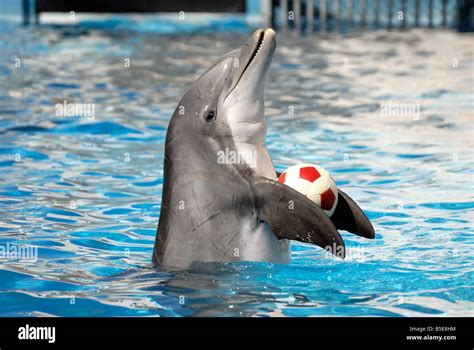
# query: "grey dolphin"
[[220, 200]]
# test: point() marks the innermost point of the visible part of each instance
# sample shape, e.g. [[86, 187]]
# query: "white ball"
[[314, 182]]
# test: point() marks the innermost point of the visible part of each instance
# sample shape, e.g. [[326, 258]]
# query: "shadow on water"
[[203, 289]]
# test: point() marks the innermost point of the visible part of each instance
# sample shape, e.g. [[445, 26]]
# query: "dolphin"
[[221, 201]]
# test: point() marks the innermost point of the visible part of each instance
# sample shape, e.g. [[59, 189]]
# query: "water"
[[87, 191]]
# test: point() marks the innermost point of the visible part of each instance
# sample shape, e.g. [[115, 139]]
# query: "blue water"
[[86, 191]]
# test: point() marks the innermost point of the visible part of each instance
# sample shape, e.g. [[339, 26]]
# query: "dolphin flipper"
[[350, 217], [293, 216]]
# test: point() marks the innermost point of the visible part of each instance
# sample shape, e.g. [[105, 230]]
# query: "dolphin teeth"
[[260, 44]]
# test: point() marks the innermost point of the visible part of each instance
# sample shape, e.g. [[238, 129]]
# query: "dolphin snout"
[[254, 63]]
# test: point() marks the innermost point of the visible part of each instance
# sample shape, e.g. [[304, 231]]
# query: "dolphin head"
[[227, 100]]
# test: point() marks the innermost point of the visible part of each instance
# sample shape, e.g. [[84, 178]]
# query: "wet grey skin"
[[220, 201]]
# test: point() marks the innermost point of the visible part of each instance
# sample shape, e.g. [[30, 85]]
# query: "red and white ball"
[[314, 182]]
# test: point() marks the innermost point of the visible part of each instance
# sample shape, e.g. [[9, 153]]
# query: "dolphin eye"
[[211, 116]]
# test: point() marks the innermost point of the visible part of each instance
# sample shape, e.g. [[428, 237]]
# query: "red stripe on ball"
[[282, 178], [327, 199], [309, 173]]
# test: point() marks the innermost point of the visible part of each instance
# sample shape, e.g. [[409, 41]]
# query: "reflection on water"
[[86, 190]]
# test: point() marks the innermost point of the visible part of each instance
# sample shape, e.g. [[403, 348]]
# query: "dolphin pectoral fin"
[[350, 217], [293, 216]]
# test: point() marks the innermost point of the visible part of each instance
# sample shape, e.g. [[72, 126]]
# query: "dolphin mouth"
[[258, 46], [259, 49]]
